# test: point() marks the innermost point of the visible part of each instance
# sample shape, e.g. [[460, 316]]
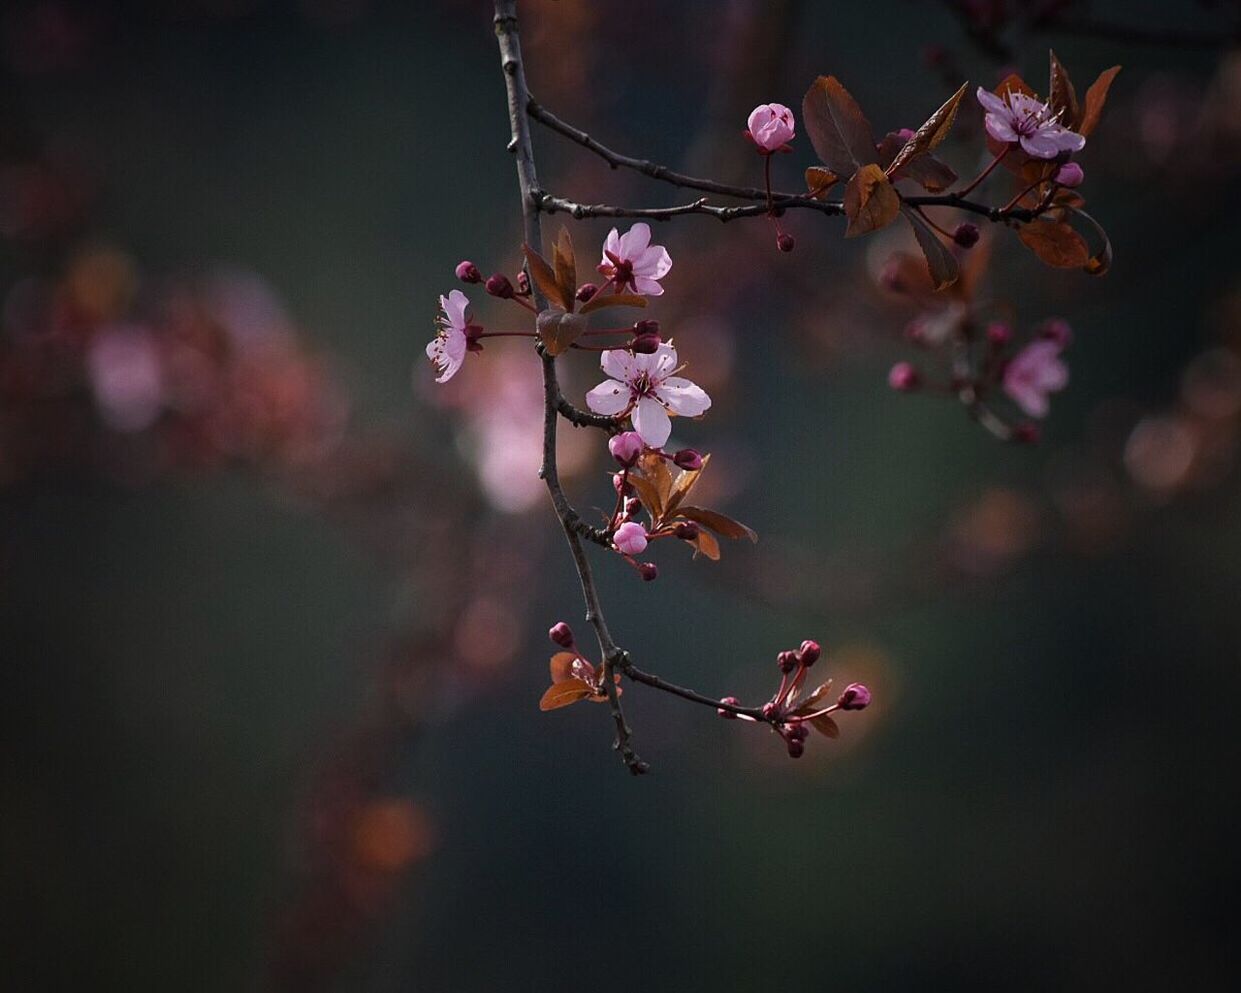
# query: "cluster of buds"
[[789, 713]]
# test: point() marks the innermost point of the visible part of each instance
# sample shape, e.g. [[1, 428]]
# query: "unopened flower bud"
[[966, 235], [855, 697], [586, 291], [798, 731], [687, 530], [769, 710], [999, 333], [648, 571], [499, 286], [905, 134], [770, 126], [625, 447], [630, 539], [797, 748], [785, 242], [688, 459], [561, 634], [787, 661], [1057, 330], [468, 272], [1026, 433], [645, 344], [646, 326], [903, 377], [809, 652], [728, 715], [622, 486], [1070, 174], [523, 283]]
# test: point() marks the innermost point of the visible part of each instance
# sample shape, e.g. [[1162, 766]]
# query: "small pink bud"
[[1070, 174], [770, 126], [1057, 330], [648, 571], [999, 333], [687, 530], [809, 652], [728, 715], [855, 697], [769, 710], [645, 344], [523, 283], [630, 539], [787, 661], [966, 235], [785, 242], [468, 272], [622, 486], [797, 748], [1026, 433], [561, 634], [903, 377], [688, 459], [586, 291], [625, 447], [499, 286], [905, 134]]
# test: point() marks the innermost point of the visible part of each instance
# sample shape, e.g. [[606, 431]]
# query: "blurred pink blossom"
[[1033, 373]]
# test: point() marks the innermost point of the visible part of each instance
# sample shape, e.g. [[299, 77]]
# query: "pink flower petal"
[[683, 397], [609, 398], [651, 421], [654, 262], [633, 243], [992, 103], [618, 363], [1000, 129], [1040, 145], [647, 286]]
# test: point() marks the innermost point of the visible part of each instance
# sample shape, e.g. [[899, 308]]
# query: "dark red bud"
[[799, 731], [1026, 433], [648, 571], [785, 242], [561, 634], [646, 327], [787, 661], [966, 235], [999, 333], [586, 291], [523, 283], [855, 697], [645, 344], [468, 272], [687, 530], [499, 286], [728, 715], [688, 459], [809, 652], [769, 710], [797, 748], [903, 377]]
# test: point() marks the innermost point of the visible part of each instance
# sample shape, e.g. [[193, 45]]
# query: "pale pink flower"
[[447, 349], [1034, 372], [771, 126], [1019, 118], [630, 538], [127, 377], [646, 385], [630, 261]]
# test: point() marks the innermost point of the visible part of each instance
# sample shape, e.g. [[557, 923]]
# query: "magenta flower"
[[447, 349], [630, 538], [1018, 118], [645, 384], [771, 126], [630, 261], [1034, 372]]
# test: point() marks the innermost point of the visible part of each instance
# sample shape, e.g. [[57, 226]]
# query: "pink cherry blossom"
[[630, 538], [447, 349], [1017, 117], [631, 262], [771, 126], [1034, 372], [645, 385]]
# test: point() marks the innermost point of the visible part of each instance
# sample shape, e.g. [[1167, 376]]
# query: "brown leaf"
[[1098, 263], [838, 129], [564, 693], [545, 279], [819, 181], [1062, 98], [647, 493], [655, 470], [1096, 97], [825, 725], [684, 482], [934, 131], [809, 705], [941, 263], [568, 665], [717, 522], [1055, 243], [706, 544], [871, 202], [566, 268], [601, 300], [930, 173], [558, 330]]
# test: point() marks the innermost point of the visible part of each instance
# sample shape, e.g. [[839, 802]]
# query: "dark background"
[[1042, 796]]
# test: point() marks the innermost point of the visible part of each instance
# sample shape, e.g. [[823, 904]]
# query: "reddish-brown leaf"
[[601, 300], [941, 263], [809, 705], [567, 665], [819, 181], [825, 725], [564, 693], [647, 493], [566, 268], [838, 129], [930, 173], [558, 330], [1101, 260], [1096, 97], [934, 131], [706, 544], [1055, 243], [717, 522], [655, 471], [684, 482], [871, 202], [1062, 98], [545, 279]]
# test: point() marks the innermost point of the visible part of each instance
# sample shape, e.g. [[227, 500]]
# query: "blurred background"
[[272, 604]]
